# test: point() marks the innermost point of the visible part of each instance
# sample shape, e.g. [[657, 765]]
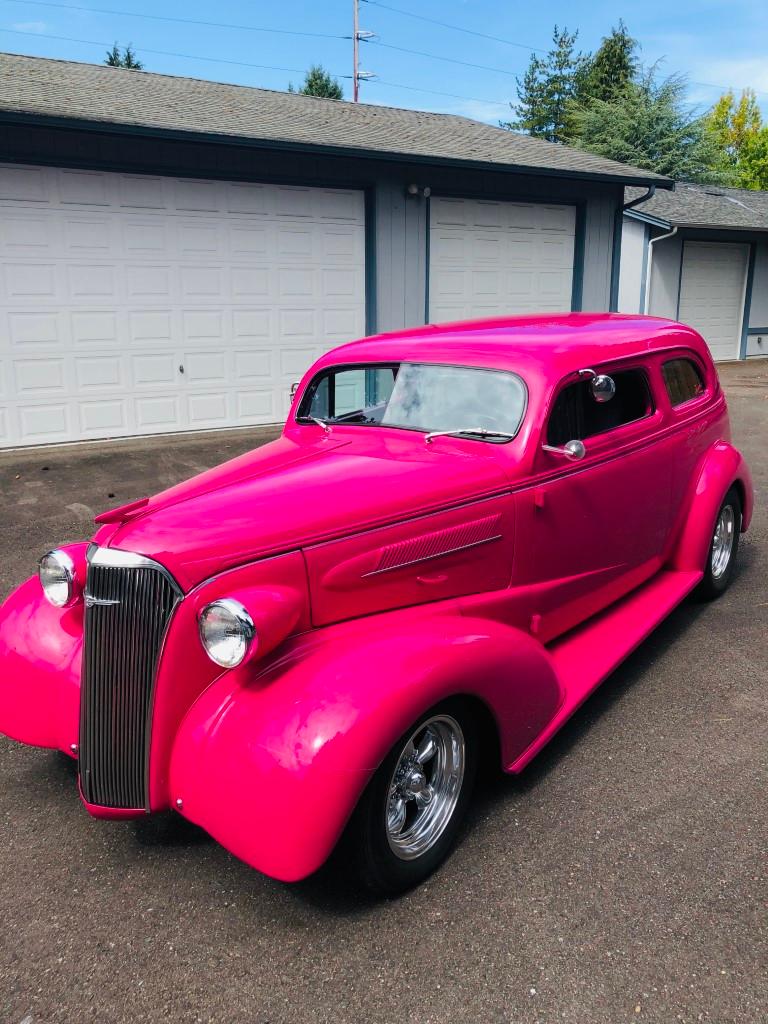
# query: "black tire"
[[366, 845], [717, 579]]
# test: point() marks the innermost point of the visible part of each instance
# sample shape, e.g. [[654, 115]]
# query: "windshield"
[[488, 404]]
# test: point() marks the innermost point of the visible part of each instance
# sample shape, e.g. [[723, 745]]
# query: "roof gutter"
[[649, 265], [618, 220]]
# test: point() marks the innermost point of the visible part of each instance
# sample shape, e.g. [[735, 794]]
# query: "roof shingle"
[[707, 206], [35, 88]]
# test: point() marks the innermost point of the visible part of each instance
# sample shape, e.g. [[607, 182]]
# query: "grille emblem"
[[90, 601]]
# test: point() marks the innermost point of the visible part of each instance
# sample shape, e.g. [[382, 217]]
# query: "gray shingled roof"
[[34, 88], [707, 206]]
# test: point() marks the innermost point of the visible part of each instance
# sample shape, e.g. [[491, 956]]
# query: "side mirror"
[[571, 450], [603, 388], [294, 389]]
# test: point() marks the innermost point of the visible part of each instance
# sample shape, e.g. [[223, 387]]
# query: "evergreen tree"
[[126, 59], [547, 88], [649, 126], [611, 69], [319, 82]]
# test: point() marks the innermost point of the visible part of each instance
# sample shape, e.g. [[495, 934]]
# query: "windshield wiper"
[[317, 420], [479, 431]]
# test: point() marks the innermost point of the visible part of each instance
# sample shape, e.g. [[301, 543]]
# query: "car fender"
[[721, 468], [40, 654], [271, 760]]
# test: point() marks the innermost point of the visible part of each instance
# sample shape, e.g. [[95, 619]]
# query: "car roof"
[[548, 345]]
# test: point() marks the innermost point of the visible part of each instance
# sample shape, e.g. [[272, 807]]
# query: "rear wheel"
[[410, 814], [721, 559]]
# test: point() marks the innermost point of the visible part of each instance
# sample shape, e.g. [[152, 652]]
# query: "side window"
[[577, 416], [683, 380]]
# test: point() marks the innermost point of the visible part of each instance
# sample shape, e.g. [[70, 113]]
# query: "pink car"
[[460, 533]]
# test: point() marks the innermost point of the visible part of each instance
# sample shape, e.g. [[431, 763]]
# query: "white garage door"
[[496, 258], [136, 305], [712, 286]]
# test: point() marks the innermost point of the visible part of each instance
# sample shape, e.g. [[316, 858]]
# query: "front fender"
[[722, 467], [40, 656], [271, 761]]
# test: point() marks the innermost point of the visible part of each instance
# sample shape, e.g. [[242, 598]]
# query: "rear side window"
[[683, 380], [577, 416]]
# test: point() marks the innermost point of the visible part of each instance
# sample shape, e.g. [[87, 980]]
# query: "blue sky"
[[717, 43]]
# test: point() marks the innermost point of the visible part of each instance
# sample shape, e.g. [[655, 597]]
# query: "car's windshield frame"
[[502, 437]]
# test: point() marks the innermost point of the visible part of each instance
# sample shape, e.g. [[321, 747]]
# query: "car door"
[[597, 524]]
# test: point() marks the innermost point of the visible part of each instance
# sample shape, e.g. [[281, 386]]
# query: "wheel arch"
[[722, 468], [309, 730]]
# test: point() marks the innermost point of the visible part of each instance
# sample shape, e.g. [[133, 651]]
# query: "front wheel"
[[721, 559], [409, 816]]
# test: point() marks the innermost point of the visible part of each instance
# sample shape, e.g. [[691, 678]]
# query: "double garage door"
[[139, 305], [133, 304]]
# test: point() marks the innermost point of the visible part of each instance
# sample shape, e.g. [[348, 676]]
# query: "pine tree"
[[319, 82], [126, 59], [547, 88], [611, 69]]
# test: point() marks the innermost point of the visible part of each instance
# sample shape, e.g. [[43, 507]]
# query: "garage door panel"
[[113, 281], [712, 285], [491, 258]]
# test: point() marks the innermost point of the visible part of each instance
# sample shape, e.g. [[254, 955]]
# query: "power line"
[[510, 42], [456, 28], [245, 64], [436, 56], [452, 95], [162, 53], [178, 21]]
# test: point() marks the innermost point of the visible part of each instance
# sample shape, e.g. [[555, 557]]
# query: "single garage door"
[[712, 286], [140, 305], [497, 258]]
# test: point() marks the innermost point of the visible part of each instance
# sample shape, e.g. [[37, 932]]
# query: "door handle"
[[432, 579]]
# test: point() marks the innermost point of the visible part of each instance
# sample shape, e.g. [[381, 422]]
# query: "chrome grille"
[[129, 601]]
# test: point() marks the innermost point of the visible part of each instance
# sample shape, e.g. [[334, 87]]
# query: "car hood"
[[287, 495]]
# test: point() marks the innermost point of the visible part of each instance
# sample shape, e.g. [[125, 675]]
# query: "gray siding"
[[632, 266], [665, 276]]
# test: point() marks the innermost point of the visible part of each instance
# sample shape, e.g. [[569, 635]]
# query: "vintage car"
[[461, 532]]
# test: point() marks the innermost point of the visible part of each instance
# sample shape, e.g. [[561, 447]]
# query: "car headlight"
[[226, 631], [57, 578]]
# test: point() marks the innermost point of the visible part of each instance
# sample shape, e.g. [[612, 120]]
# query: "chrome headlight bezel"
[[241, 630], [61, 564]]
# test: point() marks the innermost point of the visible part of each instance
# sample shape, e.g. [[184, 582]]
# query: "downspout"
[[649, 265], [618, 222]]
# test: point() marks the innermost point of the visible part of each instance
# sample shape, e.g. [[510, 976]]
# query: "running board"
[[588, 654]]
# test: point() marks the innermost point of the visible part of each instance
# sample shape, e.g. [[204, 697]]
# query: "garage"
[[489, 258], [137, 304], [712, 289]]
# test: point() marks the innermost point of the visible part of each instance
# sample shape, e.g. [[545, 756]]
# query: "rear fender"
[[722, 467], [40, 656], [271, 760]]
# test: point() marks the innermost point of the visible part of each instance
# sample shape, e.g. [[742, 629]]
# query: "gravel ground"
[[621, 878]]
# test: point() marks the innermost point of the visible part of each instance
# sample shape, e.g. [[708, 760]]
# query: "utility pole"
[[358, 35], [356, 51]]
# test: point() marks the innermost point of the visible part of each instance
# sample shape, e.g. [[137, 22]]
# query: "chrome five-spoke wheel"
[[722, 542], [723, 548], [410, 814], [425, 786]]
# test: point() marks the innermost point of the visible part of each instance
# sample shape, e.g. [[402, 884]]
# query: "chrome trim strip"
[[430, 558]]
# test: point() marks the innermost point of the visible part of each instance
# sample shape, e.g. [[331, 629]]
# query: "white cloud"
[[30, 26]]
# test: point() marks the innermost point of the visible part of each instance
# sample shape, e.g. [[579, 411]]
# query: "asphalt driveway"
[[622, 878]]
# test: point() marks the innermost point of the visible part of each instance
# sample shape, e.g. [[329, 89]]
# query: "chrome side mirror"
[[571, 450], [603, 388], [294, 389]]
